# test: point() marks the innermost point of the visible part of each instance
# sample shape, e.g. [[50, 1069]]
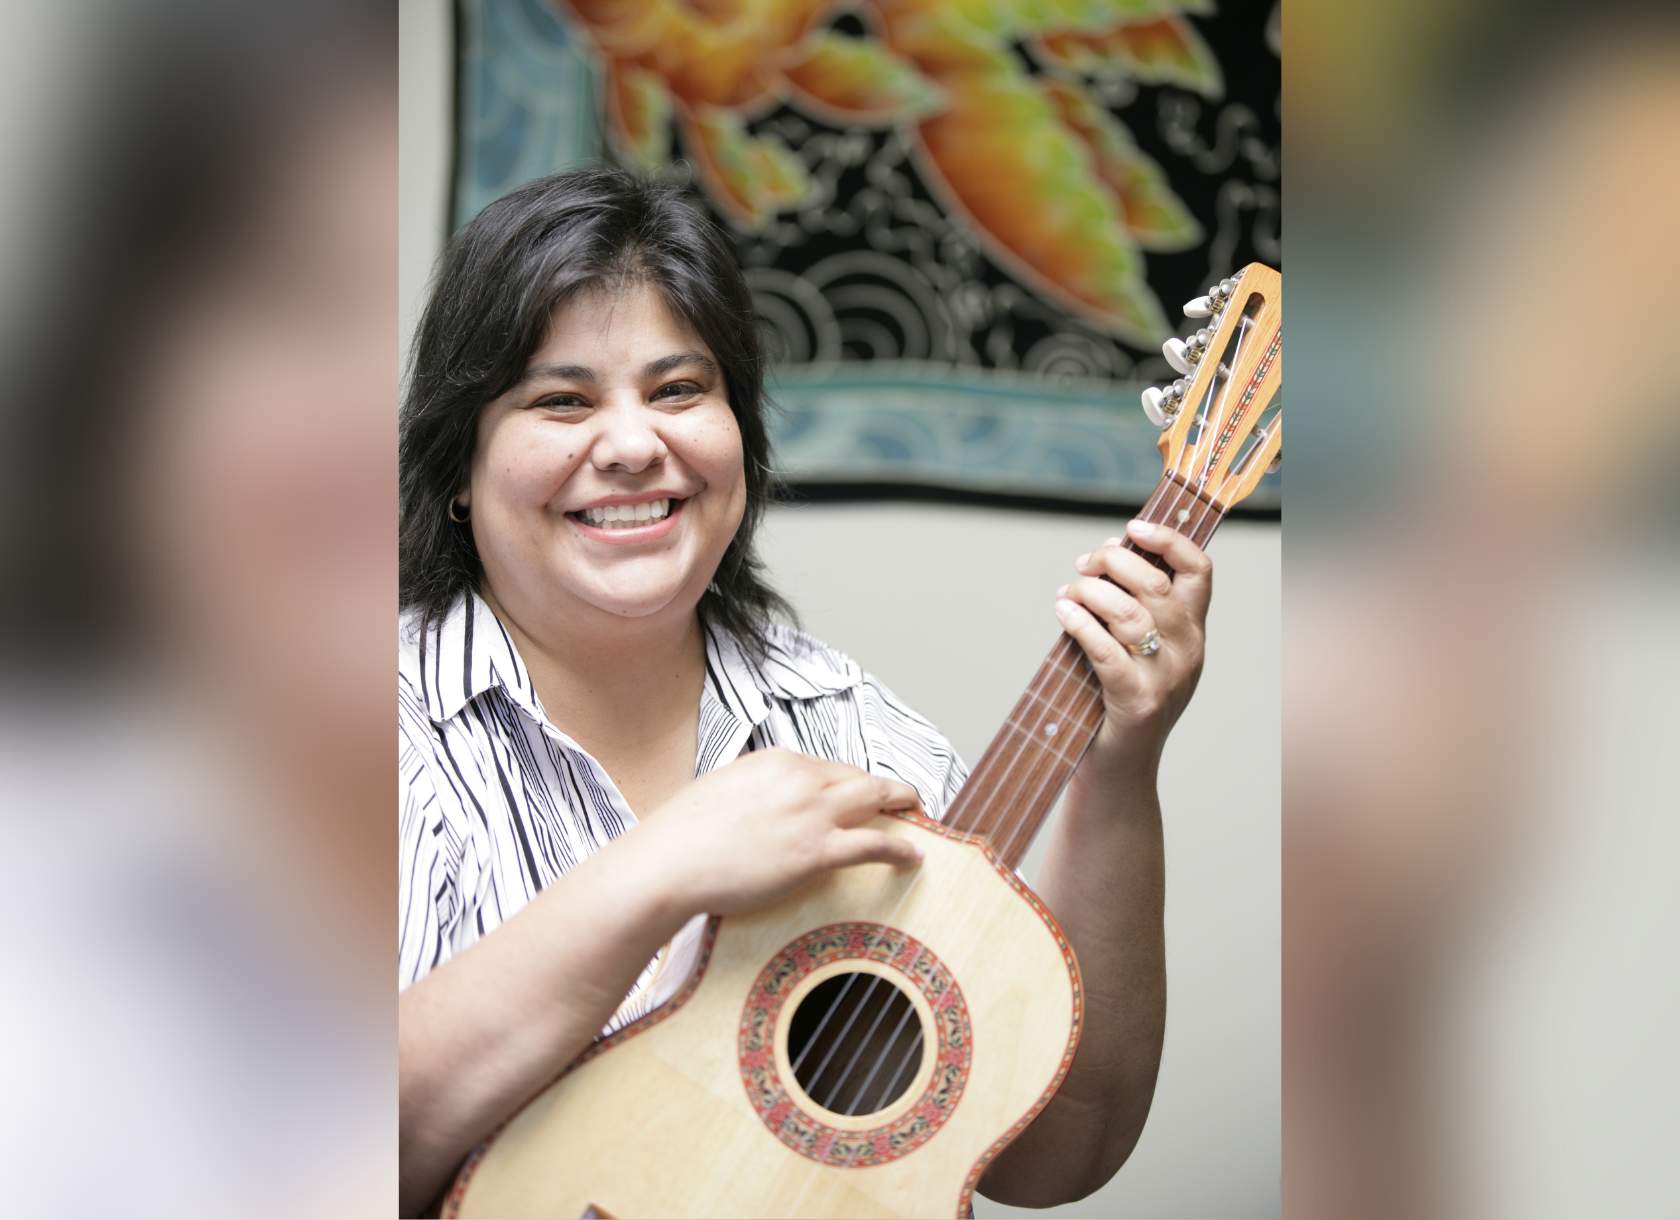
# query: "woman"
[[606, 733]]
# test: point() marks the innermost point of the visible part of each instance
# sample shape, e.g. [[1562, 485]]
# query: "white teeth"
[[627, 516]]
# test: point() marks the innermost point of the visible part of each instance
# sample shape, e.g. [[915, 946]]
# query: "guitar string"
[[875, 979], [1066, 676], [910, 1054], [1068, 673], [1067, 669], [839, 1000], [1207, 508], [1047, 703], [1183, 478], [874, 982], [1207, 432]]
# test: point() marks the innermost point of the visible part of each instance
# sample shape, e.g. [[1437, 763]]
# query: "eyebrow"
[[653, 368]]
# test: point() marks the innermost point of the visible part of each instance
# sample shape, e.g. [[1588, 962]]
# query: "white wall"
[[955, 615]]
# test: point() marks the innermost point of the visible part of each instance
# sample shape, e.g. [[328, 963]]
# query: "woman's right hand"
[[748, 833]]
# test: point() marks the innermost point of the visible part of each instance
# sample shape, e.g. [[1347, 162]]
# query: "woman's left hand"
[[1143, 695]]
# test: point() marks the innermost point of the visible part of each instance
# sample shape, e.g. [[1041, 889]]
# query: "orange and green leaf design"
[[639, 117], [859, 82], [752, 177], [1003, 158], [1164, 50], [1153, 215], [1050, 182]]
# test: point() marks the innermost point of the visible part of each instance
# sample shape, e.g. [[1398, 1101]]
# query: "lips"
[[628, 521]]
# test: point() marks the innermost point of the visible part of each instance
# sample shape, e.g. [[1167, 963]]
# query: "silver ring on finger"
[[1148, 646]]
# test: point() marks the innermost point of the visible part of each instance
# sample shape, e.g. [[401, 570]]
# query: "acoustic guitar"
[[869, 1045]]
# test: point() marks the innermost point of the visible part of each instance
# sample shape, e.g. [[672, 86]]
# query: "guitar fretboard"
[[1021, 773]]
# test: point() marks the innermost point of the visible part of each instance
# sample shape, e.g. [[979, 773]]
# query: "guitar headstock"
[[1222, 422]]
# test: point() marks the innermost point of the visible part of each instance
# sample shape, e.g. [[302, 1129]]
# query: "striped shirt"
[[495, 802]]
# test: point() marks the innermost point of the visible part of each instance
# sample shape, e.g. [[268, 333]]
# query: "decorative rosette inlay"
[[793, 1119]]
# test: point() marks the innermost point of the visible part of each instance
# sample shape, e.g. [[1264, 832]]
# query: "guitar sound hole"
[[855, 1043]]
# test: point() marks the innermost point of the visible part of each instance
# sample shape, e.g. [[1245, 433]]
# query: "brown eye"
[[559, 402], [677, 389]]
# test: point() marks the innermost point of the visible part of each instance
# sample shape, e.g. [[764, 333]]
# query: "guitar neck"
[[1015, 784]]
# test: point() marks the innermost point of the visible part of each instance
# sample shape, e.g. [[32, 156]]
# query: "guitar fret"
[[1084, 690]]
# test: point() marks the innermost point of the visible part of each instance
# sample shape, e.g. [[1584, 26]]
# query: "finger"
[[1112, 662], [861, 796], [846, 847], [826, 772], [1192, 570], [1133, 573], [1125, 617]]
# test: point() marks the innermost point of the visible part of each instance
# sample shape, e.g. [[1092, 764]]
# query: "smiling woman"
[[609, 728], [526, 293]]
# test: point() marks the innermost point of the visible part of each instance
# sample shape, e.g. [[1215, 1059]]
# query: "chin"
[[643, 605]]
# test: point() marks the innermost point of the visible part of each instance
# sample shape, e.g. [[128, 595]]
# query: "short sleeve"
[[902, 743], [430, 850]]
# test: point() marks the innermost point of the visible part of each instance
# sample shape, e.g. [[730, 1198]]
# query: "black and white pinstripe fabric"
[[495, 802]]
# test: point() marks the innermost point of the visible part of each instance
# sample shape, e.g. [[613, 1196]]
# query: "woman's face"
[[610, 478]]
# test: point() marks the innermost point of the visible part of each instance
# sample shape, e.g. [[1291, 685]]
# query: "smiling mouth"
[[628, 516]]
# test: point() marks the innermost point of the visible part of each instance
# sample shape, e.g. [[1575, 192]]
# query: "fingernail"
[[1142, 529], [1062, 592], [1064, 608], [1082, 560]]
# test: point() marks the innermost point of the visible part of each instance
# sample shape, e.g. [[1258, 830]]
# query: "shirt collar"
[[468, 651], [464, 654]]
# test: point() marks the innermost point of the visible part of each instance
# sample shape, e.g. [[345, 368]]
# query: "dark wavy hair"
[[501, 279]]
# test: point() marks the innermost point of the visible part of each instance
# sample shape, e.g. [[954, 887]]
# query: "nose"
[[627, 439]]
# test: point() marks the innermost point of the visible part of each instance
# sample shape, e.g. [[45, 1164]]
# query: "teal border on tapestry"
[[995, 432], [526, 101]]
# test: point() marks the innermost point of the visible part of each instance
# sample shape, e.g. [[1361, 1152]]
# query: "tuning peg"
[[1152, 398], [1173, 350], [1201, 307], [1195, 347]]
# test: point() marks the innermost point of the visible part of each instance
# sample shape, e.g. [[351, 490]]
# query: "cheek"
[[719, 455], [520, 465]]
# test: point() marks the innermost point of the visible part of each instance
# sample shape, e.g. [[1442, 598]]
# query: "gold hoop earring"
[[453, 504]]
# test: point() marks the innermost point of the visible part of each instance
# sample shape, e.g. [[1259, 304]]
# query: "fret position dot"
[[1049, 730], [1183, 515]]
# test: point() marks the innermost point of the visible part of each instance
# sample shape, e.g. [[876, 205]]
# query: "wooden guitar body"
[[695, 1109]]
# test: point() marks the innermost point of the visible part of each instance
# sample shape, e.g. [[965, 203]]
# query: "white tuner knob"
[[1173, 350], [1152, 406], [1201, 307]]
